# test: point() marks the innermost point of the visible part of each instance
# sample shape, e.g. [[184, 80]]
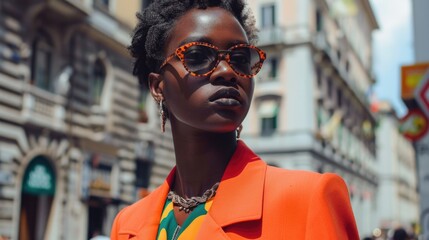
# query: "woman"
[[199, 63]]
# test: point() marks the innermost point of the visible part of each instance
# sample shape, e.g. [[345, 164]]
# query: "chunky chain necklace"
[[187, 204]]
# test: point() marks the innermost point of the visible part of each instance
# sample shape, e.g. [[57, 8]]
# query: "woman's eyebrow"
[[209, 40], [195, 39]]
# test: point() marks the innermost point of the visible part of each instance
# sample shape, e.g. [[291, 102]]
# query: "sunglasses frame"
[[221, 55]]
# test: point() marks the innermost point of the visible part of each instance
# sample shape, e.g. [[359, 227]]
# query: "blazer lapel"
[[144, 225], [239, 197]]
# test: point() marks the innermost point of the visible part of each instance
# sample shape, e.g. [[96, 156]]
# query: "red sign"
[[422, 94], [411, 77], [414, 125]]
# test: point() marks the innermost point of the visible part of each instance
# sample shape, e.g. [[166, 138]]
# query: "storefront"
[[38, 192], [100, 186]]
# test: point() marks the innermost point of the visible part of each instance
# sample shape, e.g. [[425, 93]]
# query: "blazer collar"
[[239, 198], [240, 194]]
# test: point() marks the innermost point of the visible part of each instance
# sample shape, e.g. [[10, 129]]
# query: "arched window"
[[41, 61], [97, 81]]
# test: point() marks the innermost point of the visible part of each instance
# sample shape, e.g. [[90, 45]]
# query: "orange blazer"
[[255, 201]]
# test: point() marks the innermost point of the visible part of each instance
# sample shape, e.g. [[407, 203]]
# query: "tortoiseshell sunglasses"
[[201, 59]]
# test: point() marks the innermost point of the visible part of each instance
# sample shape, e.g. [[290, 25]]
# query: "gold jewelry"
[[187, 204], [239, 130], [162, 115]]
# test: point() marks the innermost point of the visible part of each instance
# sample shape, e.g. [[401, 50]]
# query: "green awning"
[[39, 177]]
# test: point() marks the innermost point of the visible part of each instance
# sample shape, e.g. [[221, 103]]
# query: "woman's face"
[[217, 102]]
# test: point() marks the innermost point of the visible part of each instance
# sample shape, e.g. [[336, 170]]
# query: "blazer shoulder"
[[300, 181], [299, 174], [292, 176]]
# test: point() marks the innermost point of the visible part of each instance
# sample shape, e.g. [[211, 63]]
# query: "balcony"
[[43, 108], [71, 8], [283, 36], [61, 11], [321, 44], [273, 87]]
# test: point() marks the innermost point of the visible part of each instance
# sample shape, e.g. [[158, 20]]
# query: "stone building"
[[68, 114], [397, 197], [310, 109]]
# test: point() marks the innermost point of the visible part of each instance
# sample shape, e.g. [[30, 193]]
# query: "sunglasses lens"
[[245, 60], [200, 59]]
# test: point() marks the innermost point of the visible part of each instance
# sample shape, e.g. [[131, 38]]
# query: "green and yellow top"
[[170, 230]]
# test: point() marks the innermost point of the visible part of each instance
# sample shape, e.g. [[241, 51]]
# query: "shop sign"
[[100, 180], [414, 125], [100, 175], [39, 178], [422, 94], [410, 78]]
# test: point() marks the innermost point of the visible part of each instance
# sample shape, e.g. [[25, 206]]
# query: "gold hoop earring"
[[162, 115], [239, 130]]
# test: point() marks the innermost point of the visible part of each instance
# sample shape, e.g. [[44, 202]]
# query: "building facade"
[[421, 34], [310, 109], [421, 56], [68, 114], [397, 197]]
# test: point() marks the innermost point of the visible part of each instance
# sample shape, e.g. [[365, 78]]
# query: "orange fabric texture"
[[255, 201]]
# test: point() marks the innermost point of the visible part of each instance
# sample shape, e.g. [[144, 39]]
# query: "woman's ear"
[[156, 86]]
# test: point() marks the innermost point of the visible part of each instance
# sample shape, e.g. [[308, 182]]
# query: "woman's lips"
[[227, 102], [226, 97]]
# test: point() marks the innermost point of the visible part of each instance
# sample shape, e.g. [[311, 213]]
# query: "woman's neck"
[[201, 159]]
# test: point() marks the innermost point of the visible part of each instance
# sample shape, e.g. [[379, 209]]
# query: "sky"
[[393, 47]]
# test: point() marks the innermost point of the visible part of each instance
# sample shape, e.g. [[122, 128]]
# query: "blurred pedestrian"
[[400, 234]]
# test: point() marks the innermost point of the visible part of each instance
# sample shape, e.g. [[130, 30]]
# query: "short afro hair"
[[156, 21]]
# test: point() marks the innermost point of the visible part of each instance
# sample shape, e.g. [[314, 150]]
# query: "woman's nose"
[[224, 71]]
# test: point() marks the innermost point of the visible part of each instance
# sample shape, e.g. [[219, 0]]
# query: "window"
[[102, 4], [270, 70], [339, 98], [105, 2], [273, 69], [330, 88], [268, 15], [146, 3], [41, 62], [319, 20], [97, 81], [75, 47], [320, 116], [268, 113], [143, 171], [269, 125], [319, 77]]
